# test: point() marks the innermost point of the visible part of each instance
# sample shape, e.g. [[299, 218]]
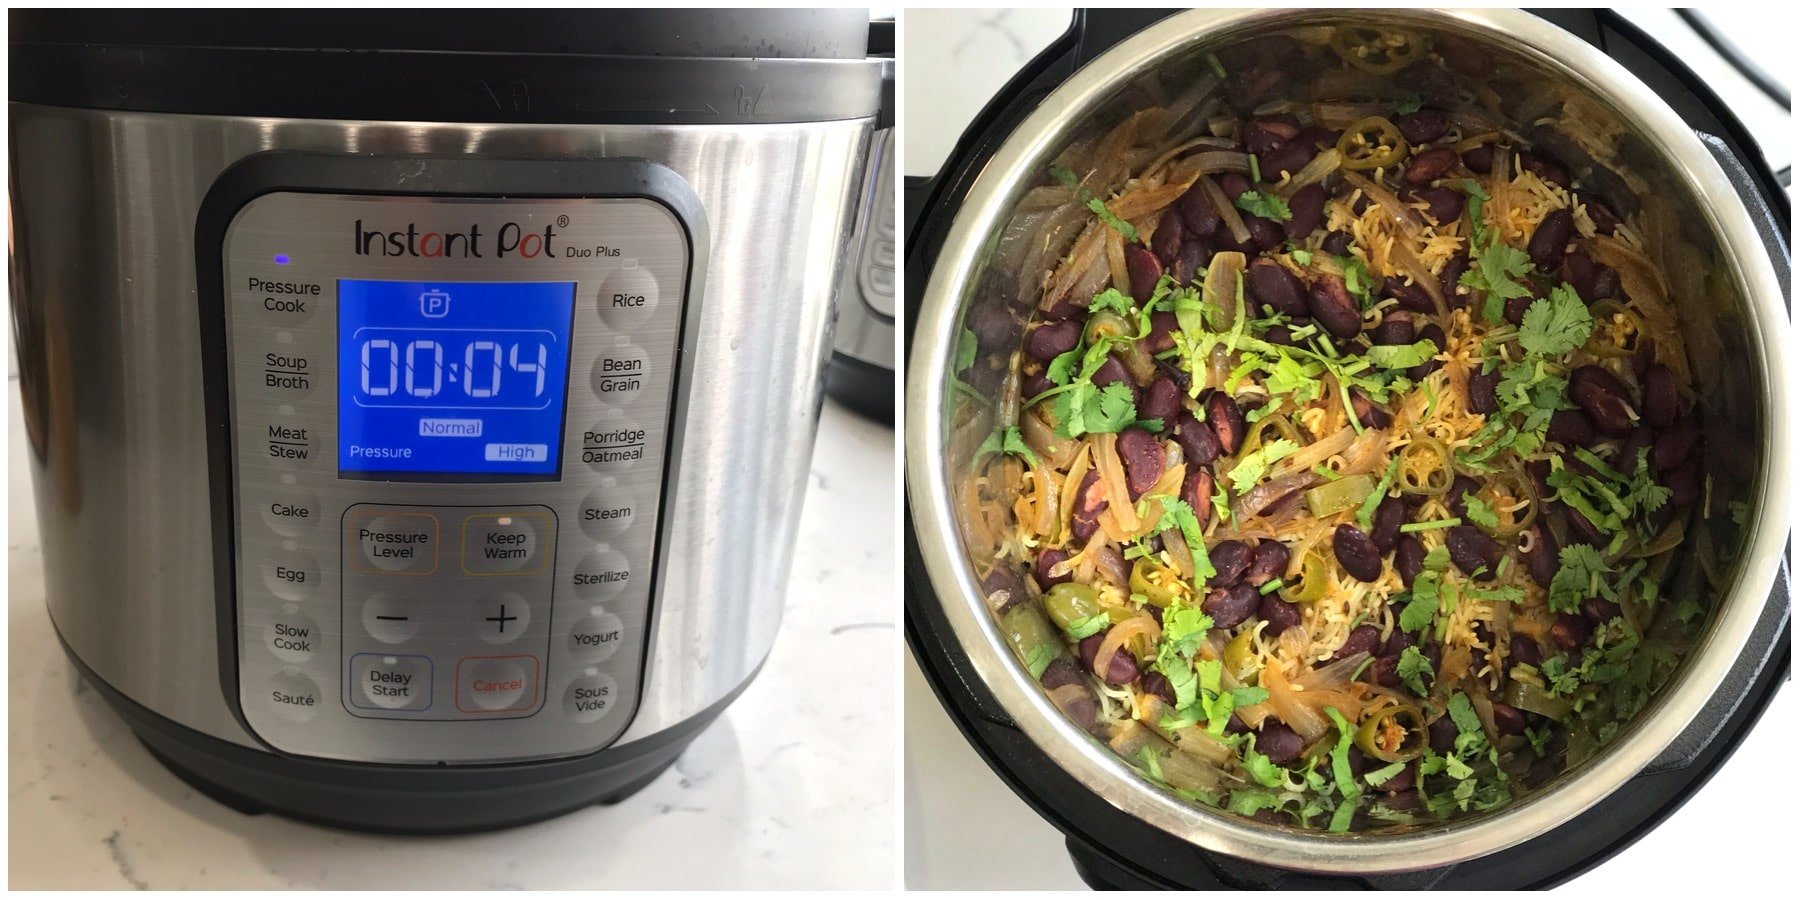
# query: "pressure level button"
[[396, 543], [628, 296]]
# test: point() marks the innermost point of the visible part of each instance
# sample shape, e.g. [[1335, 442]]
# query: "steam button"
[[609, 511], [628, 296]]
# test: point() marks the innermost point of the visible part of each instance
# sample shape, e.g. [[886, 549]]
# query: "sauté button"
[[602, 575], [494, 543], [590, 698], [628, 296], [390, 618], [291, 515], [596, 636], [294, 696], [291, 635], [609, 511], [496, 683], [620, 372], [399, 543], [391, 682], [291, 574]]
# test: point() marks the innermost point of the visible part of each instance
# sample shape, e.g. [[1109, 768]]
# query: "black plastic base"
[[403, 799], [864, 388]]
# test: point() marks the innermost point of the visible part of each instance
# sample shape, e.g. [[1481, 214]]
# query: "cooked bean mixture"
[[1341, 468]]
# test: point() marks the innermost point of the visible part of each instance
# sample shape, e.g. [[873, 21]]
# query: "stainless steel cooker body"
[[1735, 331], [108, 320]]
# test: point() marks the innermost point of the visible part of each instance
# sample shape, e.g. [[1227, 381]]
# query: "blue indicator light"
[[281, 259]]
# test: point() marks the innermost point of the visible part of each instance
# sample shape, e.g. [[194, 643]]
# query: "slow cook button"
[[291, 515], [590, 698], [628, 296], [292, 635], [602, 575], [291, 574], [615, 444], [497, 543], [496, 683], [398, 543], [391, 682], [294, 696], [596, 637], [609, 511], [619, 372]]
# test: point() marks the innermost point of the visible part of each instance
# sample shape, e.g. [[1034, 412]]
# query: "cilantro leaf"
[[1110, 299], [1426, 592], [966, 344], [1409, 103], [1178, 514], [1340, 756], [1265, 205], [1478, 232], [1007, 440], [1063, 367], [1462, 712], [1480, 513], [1365, 514], [1248, 696], [1495, 272], [1039, 659], [1087, 627], [1415, 670], [1303, 257], [1357, 279], [1260, 768], [1400, 356], [1069, 180], [1184, 627], [1556, 324], [1577, 578], [1251, 470], [1380, 776]]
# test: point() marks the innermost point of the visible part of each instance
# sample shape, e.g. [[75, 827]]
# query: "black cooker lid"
[[670, 66], [1112, 849]]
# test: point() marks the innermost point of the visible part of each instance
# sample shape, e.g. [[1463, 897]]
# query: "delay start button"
[[390, 682], [496, 683], [396, 543], [628, 296]]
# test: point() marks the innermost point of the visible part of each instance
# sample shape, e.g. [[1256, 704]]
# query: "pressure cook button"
[[590, 698], [628, 296], [501, 617], [294, 696], [398, 543], [291, 574], [596, 637], [602, 575], [391, 682], [292, 635], [291, 515], [615, 444], [619, 372], [496, 683], [498, 543], [389, 618], [609, 511]]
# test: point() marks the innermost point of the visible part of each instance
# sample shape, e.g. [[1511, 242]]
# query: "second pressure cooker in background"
[[419, 411]]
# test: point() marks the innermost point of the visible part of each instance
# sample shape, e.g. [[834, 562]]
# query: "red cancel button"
[[487, 684]]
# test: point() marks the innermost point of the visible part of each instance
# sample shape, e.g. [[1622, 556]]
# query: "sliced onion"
[[1317, 452], [1140, 625], [1212, 162], [1258, 499], [1284, 702], [1315, 171], [1338, 114], [1408, 221], [1111, 563], [1331, 676], [1227, 212], [1112, 480]]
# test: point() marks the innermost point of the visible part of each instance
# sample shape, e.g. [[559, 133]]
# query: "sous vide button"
[[590, 698]]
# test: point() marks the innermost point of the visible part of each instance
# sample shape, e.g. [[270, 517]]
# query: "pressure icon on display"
[[434, 304]]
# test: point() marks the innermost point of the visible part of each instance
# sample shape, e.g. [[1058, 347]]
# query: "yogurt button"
[[596, 637]]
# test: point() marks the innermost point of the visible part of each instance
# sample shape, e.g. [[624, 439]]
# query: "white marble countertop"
[[965, 830], [792, 788]]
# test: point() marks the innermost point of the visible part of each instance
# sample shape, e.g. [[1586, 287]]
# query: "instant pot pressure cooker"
[[420, 407], [1124, 831], [862, 352]]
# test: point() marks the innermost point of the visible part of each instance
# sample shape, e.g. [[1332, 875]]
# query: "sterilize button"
[[609, 511], [400, 543], [291, 515], [501, 617], [294, 696], [391, 682], [590, 698], [292, 635], [291, 574], [496, 683], [390, 618], [628, 296], [602, 575], [615, 444], [596, 637], [619, 372], [500, 542]]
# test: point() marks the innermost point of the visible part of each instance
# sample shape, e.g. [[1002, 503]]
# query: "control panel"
[[450, 420]]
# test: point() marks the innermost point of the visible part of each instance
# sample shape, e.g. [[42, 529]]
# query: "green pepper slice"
[[1371, 143], [1534, 699], [1392, 733], [1334, 497], [1068, 603], [1141, 583]]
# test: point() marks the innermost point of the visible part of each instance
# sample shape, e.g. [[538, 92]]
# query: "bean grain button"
[[402, 543]]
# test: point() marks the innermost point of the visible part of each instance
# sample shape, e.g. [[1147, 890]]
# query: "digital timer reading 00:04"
[[487, 369]]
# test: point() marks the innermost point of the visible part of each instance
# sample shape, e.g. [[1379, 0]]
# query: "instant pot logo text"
[[513, 240]]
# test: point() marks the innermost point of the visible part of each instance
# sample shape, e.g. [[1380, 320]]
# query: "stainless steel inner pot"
[[1734, 327]]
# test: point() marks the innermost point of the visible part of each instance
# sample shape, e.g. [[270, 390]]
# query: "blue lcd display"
[[446, 379]]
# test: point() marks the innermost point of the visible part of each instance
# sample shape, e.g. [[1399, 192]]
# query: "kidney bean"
[[1157, 684], [1268, 560], [1412, 297], [1005, 578], [1356, 552], [1122, 669], [1429, 166], [1265, 234], [1625, 456], [1199, 444], [1230, 560], [1036, 384], [1368, 412], [1526, 651], [1363, 638], [1570, 632], [1111, 372], [1508, 720], [1162, 400], [1396, 328], [1229, 607], [1384, 529], [1571, 428], [1061, 671], [1281, 334], [1541, 560], [1462, 54], [1450, 281], [1198, 212], [1599, 610], [1456, 499], [1227, 421], [1409, 558], [1674, 446], [1579, 270], [1271, 284], [1052, 339], [1482, 397], [1434, 334], [1548, 241], [1684, 483], [1545, 170], [1170, 231], [1163, 326], [1434, 85], [1188, 261], [1143, 269], [1318, 136], [1278, 613], [1308, 209], [1040, 570], [1604, 398], [1090, 502], [1473, 551], [1399, 787], [1661, 401], [1442, 734], [1142, 455], [1337, 243], [1290, 156], [1234, 185], [1643, 357], [1333, 307], [1263, 135], [1605, 220], [1278, 742], [1397, 642], [1480, 159], [1385, 671], [1443, 204], [1424, 125], [1197, 491]]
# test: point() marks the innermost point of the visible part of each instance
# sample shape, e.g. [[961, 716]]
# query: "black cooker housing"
[[1113, 850]]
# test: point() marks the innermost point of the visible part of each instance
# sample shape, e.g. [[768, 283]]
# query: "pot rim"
[[991, 198]]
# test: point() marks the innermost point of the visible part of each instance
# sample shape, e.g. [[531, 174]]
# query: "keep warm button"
[[496, 683], [391, 682]]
